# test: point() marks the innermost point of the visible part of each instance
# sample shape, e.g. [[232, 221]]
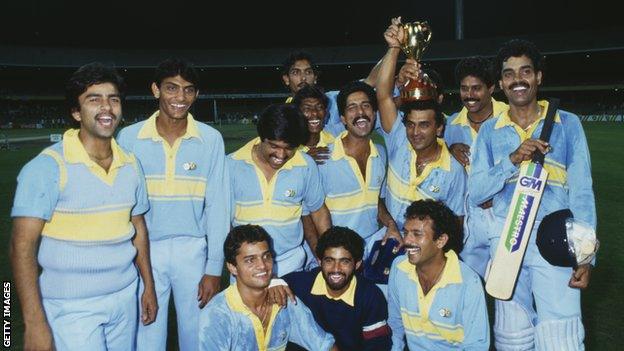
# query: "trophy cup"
[[417, 38]]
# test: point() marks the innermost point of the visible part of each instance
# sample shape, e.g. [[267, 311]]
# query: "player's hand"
[[580, 277], [409, 71], [208, 286], [393, 232], [525, 151], [38, 337], [149, 306], [461, 152], [319, 154], [280, 294], [394, 35]]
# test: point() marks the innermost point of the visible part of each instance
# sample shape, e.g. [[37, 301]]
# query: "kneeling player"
[[435, 300], [241, 317]]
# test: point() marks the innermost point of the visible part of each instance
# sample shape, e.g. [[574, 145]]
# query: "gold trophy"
[[416, 39]]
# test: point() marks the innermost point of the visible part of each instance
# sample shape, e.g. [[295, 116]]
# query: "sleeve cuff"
[[28, 212], [214, 267], [508, 168]]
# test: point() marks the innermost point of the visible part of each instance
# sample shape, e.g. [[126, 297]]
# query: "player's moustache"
[[519, 84], [471, 99]]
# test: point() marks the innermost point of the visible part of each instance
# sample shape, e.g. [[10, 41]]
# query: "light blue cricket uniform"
[[227, 324], [476, 251], [557, 313], [88, 281], [352, 200], [451, 316], [276, 205], [443, 180], [187, 222]]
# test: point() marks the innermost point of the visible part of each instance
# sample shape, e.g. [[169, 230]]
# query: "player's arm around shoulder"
[[487, 177]]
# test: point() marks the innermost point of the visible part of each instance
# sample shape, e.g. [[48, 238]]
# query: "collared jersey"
[[276, 205], [325, 138], [452, 315], [443, 180], [227, 324], [458, 128], [185, 183], [86, 247], [352, 199], [357, 318], [569, 183]]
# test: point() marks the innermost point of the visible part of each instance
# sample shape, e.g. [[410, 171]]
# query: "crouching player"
[[241, 317], [435, 300], [84, 197]]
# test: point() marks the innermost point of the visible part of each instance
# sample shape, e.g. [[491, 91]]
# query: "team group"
[[296, 214]]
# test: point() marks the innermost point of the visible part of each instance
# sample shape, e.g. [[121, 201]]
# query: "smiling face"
[[314, 112], [300, 74], [359, 116], [254, 265], [100, 111], [420, 246], [275, 152], [338, 268], [175, 97], [421, 129], [474, 94], [519, 80]]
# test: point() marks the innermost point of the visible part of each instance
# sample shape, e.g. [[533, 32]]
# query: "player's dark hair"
[[423, 105], [517, 48], [436, 78], [444, 222], [476, 66], [341, 237], [298, 56], [86, 76], [283, 122], [310, 92], [354, 87], [247, 233], [176, 67]]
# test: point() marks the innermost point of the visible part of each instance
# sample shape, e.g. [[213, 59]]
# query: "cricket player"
[[273, 184], [312, 102], [299, 70], [241, 318], [184, 165], [350, 307], [419, 163], [545, 310], [354, 175], [435, 301], [476, 85], [78, 213]]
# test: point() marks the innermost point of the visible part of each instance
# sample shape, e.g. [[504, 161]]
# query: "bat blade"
[[504, 269]]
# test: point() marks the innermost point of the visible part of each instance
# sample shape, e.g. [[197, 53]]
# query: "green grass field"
[[603, 305]]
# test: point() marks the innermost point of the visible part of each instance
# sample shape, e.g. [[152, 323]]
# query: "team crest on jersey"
[[290, 193], [444, 312], [189, 166], [434, 189]]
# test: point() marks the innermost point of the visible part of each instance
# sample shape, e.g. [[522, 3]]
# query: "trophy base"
[[419, 90]]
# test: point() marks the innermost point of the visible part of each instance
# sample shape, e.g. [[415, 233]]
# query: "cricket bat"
[[505, 267]]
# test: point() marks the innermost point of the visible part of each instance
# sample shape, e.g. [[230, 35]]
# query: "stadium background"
[[238, 49]]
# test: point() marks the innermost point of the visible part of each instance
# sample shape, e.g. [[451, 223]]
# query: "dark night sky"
[[183, 24]]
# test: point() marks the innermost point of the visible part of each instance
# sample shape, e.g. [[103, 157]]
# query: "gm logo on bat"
[[534, 184]]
